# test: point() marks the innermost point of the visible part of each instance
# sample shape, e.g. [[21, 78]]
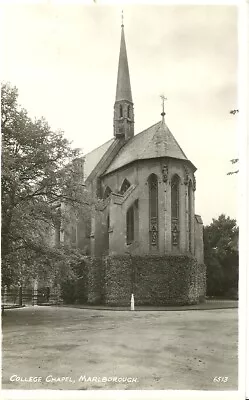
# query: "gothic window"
[[120, 111], [125, 185], [153, 209], [175, 181], [190, 192], [128, 111], [130, 225], [107, 192]]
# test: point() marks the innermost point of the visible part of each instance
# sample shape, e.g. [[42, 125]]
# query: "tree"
[[221, 256], [40, 172]]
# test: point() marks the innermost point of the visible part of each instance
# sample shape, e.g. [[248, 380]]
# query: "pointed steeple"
[[123, 91], [123, 107]]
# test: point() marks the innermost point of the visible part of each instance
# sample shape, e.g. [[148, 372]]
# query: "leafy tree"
[[221, 256], [40, 171]]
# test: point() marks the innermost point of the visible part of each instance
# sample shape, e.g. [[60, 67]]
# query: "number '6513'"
[[221, 379]]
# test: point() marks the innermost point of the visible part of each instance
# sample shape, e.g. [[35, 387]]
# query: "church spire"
[[123, 91], [123, 107]]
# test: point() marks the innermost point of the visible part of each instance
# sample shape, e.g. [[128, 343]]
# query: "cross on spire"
[[122, 19], [163, 100]]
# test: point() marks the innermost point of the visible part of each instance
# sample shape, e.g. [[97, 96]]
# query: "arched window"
[[128, 111], [125, 185], [175, 181], [120, 111], [107, 192], [130, 225], [190, 194], [132, 221], [153, 209]]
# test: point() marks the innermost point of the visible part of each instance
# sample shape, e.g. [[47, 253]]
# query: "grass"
[[161, 350]]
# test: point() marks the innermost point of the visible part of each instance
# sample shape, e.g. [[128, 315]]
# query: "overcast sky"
[[64, 60]]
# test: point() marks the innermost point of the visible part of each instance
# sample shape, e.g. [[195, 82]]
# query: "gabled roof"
[[156, 141], [93, 158]]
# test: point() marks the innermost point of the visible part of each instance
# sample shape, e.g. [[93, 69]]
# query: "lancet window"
[[130, 225], [190, 197], [120, 111], [175, 183], [153, 210], [125, 185]]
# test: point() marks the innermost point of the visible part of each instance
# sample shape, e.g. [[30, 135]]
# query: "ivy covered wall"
[[154, 280]]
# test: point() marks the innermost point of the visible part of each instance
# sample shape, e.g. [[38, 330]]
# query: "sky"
[[63, 58]]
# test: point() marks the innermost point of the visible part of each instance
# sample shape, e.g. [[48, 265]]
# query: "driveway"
[[70, 348]]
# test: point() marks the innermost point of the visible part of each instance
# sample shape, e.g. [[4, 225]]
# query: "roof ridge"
[[96, 148], [173, 137], [152, 138], [147, 128], [178, 144], [135, 136]]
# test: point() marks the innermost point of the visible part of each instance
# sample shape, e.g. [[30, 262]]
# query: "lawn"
[[96, 349]]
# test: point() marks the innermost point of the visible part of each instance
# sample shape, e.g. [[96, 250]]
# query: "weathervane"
[[163, 100], [122, 19]]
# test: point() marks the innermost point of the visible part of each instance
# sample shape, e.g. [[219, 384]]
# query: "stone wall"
[[199, 243], [137, 174], [154, 280]]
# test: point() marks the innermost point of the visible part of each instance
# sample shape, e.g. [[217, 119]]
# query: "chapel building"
[[143, 235]]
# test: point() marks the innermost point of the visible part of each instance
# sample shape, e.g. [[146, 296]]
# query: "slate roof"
[[92, 158], [156, 141]]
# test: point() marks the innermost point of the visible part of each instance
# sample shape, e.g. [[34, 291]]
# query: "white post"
[[132, 303]]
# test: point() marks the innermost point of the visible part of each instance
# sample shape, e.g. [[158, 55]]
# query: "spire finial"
[[122, 19], [163, 100]]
